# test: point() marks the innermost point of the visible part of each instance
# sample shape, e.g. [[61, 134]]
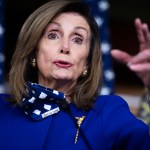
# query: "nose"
[[64, 51], [65, 47]]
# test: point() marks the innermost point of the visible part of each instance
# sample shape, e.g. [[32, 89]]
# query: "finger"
[[143, 34], [143, 56], [145, 67], [146, 33], [121, 56], [138, 26]]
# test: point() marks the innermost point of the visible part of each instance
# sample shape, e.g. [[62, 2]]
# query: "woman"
[[55, 80]]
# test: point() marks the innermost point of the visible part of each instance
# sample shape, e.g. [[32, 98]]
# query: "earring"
[[33, 63], [85, 72]]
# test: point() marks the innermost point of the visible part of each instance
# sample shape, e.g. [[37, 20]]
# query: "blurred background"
[[119, 16]]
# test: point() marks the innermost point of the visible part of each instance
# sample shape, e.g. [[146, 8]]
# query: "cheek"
[[80, 66], [43, 59], [82, 57], [81, 61], [44, 54], [45, 50]]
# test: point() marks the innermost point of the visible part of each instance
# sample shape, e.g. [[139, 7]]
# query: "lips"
[[62, 64]]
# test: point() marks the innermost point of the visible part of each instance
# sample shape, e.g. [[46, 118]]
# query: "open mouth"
[[62, 64]]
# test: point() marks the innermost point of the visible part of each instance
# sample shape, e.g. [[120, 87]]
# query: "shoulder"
[[118, 122], [6, 105], [14, 122], [3, 100], [8, 110], [114, 108], [110, 101]]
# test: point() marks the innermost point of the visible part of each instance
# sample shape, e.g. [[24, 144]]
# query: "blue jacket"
[[108, 126]]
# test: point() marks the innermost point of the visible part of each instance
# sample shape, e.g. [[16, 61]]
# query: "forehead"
[[70, 14], [71, 18]]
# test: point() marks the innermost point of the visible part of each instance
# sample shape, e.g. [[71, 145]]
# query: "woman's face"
[[63, 50]]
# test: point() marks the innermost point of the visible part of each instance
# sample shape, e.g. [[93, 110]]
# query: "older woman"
[[55, 80]]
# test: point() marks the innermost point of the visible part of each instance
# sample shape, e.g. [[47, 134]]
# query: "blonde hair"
[[87, 88]]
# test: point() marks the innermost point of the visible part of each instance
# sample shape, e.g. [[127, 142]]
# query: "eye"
[[52, 36], [78, 40]]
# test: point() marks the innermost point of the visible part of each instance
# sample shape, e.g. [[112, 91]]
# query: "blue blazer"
[[109, 125]]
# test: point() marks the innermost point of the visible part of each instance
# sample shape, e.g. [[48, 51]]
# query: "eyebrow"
[[78, 27], [55, 23]]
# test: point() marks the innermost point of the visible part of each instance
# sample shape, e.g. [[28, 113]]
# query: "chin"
[[63, 77]]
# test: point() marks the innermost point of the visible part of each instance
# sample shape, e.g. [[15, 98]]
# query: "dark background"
[[122, 32]]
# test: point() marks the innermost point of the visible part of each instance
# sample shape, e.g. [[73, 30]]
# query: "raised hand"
[[139, 63]]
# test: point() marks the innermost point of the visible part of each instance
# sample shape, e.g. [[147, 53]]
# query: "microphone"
[[65, 107]]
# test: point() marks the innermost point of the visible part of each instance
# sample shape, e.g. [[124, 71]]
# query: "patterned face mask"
[[41, 102]]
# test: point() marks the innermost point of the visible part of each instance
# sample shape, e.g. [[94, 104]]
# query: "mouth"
[[62, 64]]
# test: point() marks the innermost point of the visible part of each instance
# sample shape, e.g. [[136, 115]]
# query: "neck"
[[59, 85]]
